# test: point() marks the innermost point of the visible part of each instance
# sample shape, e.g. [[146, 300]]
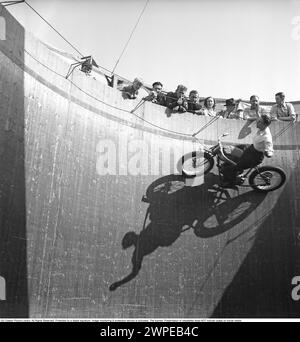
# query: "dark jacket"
[[155, 97], [194, 107], [129, 92], [172, 102]]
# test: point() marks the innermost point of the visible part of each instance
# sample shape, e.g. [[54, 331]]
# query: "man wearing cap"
[[231, 111], [282, 110], [177, 101]]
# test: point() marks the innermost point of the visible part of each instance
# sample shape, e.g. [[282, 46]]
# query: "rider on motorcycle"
[[252, 155]]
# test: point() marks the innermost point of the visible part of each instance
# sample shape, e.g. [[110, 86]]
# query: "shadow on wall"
[[262, 287], [175, 208], [13, 256], [247, 129]]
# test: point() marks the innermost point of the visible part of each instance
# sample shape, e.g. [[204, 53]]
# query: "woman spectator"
[[209, 107]]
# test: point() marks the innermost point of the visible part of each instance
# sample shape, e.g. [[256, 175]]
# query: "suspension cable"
[[131, 34], [47, 22], [11, 3], [72, 45], [108, 104]]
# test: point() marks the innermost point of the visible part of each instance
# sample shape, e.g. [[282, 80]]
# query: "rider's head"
[[263, 122], [129, 239]]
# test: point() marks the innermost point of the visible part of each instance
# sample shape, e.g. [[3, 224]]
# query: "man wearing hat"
[[231, 111]]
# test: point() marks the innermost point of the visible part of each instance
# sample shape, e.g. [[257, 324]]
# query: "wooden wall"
[[204, 252]]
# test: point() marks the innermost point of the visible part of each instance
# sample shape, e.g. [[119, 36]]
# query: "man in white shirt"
[[282, 110], [255, 111], [254, 154]]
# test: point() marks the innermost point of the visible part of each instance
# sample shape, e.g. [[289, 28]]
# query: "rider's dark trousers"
[[250, 158]]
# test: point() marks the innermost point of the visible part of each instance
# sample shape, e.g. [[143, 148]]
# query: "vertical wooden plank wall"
[[201, 248], [13, 239]]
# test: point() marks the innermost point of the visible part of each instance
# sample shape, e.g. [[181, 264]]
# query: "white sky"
[[222, 48]]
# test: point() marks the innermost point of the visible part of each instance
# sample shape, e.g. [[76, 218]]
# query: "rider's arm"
[[268, 149]]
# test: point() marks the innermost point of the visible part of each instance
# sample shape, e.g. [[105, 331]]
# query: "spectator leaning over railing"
[[282, 110], [131, 91], [194, 105], [255, 111], [232, 111], [177, 101], [209, 107], [156, 95]]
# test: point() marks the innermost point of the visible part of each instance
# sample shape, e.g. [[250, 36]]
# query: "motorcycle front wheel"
[[267, 178]]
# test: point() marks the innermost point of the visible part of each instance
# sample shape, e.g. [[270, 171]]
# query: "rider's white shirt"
[[262, 141]]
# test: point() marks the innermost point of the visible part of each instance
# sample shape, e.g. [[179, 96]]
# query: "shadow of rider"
[[175, 208]]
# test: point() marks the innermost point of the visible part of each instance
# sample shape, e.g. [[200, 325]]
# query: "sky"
[[222, 48]]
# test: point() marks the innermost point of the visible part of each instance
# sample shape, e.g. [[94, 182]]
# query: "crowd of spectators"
[[178, 101]]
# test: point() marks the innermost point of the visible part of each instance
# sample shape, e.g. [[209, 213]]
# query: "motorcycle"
[[260, 178]]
